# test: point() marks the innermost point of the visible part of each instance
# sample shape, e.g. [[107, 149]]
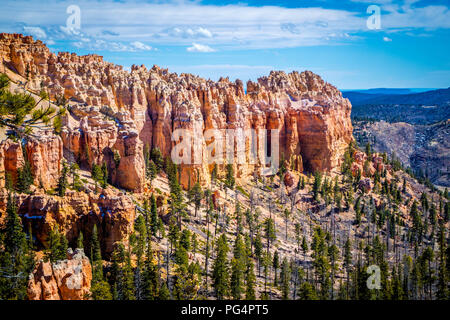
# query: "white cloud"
[[186, 32], [386, 39], [35, 32], [226, 27], [196, 47], [140, 46], [204, 32]]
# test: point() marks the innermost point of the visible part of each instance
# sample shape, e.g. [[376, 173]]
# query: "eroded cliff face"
[[44, 153], [68, 279], [112, 211], [146, 106]]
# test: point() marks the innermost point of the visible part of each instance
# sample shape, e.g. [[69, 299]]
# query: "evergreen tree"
[[196, 195], [20, 112], [16, 255], [269, 230], [321, 262], [100, 289], [307, 292], [24, 176], [57, 246], [275, 266], [285, 279], [122, 274], [250, 281], [230, 180], [317, 184], [185, 239], [157, 158], [368, 150], [97, 174], [214, 173], [154, 219], [238, 264], [443, 275], [286, 215], [80, 241], [348, 263], [73, 170], [221, 268], [164, 293], [104, 177], [304, 247], [63, 181]]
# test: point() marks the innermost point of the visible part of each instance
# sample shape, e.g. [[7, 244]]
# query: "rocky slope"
[[424, 148], [148, 105]]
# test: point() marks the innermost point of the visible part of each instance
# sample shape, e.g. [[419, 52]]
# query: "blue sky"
[[247, 39]]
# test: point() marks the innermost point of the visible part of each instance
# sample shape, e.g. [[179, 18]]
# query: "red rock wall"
[[312, 115]]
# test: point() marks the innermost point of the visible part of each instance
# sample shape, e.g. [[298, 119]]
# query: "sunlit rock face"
[[68, 279], [147, 105]]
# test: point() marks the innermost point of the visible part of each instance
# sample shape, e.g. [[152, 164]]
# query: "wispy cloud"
[[387, 39], [222, 27], [141, 46], [36, 32], [196, 47]]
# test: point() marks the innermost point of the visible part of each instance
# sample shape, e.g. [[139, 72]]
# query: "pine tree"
[[238, 264], [76, 183], [122, 274], [57, 246], [258, 251], [97, 174], [9, 184], [269, 230], [196, 195], [286, 215], [20, 112], [24, 176], [150, 276], [251, 281], [443, 276], [285, 279], [164, 293], [138, 243], [80, 241], [16, 255], [304, 247], [100, 289], [321, 262], [230, 180], [185, 239], [214, 173], [104, 177], [348, 263], [221, 268], [157, 158], [368, 150], [275, 266], [317, 184], [63, 182], [153, 215], [307, 292]]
